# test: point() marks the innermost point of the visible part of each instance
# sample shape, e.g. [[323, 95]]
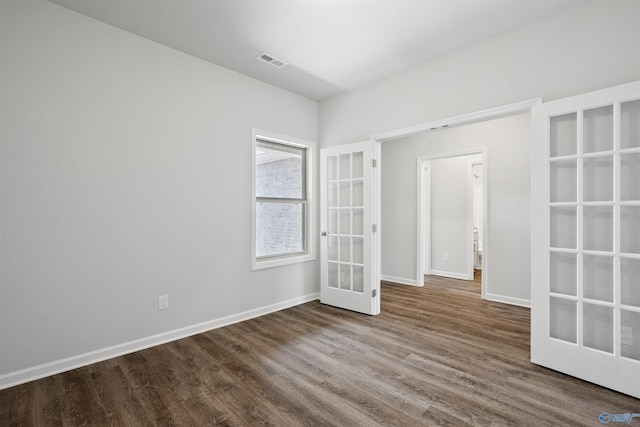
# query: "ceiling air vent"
[[272, 60]]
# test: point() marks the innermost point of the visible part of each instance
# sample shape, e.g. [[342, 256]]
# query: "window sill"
[[261, 264]]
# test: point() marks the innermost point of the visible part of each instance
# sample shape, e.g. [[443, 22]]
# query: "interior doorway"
[[449, 234], [508, 169]]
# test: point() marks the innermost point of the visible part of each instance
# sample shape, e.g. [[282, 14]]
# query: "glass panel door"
[[586, 237], [346, 180]]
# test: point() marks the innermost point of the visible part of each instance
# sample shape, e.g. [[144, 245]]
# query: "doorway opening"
[[451, 241], [396, 231]]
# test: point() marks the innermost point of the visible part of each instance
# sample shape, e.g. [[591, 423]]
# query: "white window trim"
[[310, 229]]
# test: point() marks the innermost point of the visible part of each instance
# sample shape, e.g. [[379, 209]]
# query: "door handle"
[[323, 234]]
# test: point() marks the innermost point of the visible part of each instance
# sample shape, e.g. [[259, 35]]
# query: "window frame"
[[309, 254]]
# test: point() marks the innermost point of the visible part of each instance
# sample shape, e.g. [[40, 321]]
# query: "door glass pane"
[[358, 168], [564, 135], [597, 277], [345, 276], [563, 273], [332, 194], [630, 281], [332, 221], [345, 166], [563, 227], [598, 179], [630, 322], [630, 124], [357, 222], [358, 250], [597, 327], [332, 168], [333, 278], [630, 176], [345, 249], [563, 181], [345, 220], [358, 193], [598, 228], [345, 194], [598, 129], [630, 229], [562, 319], [358, 278], [332, 248]]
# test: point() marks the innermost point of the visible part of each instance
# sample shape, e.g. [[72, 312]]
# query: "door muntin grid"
[[594, 219], [345, 221]]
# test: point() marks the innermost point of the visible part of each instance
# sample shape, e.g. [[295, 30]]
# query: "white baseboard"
[[449, 274], [509, 300], [47, 369], [400, 280]]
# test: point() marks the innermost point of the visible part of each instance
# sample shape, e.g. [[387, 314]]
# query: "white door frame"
[[424, 218], [483, 184], [424, 212], [463, 119]]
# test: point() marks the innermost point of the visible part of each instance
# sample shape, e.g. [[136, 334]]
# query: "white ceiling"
[[331, 46]]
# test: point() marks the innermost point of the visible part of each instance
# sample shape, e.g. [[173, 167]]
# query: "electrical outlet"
[[626, 335], [445, 256], [163, 302]]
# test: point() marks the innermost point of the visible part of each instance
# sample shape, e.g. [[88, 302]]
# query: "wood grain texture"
[[435, 356]]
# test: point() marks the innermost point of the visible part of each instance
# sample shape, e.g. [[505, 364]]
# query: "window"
[[282, 204]]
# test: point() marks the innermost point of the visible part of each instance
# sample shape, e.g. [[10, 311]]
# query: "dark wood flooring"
[[436, 355]]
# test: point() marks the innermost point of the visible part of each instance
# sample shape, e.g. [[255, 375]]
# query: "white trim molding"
[[400, 280], [47, 369], [449, 274], [509, 300], [463, 119], [310, 212]]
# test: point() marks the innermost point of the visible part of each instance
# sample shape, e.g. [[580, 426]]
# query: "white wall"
[[508, 172], [125, 171], [576, 51], [450, 208]]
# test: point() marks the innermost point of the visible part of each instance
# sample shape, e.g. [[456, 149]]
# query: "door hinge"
[[374, 227], [374, 163], [374, 293]]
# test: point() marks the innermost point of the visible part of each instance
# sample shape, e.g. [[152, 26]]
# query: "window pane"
[[563, 273], [598, 179], [630, 322], [597, 273], [630, 229], [630, 176], [563, 227], [630, 281], [279, 228], [280, 171], [598, 129], [630, 124], [598, 327], [563, 181], [564, 135], [562, 319], [598, 228]]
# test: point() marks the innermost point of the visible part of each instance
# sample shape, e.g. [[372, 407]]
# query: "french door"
[[347, 230], [585, 316]]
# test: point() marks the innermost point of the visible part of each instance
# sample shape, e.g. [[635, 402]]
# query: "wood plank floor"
[[437, 355]]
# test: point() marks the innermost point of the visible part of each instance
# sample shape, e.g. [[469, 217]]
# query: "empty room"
[[319, 212]]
